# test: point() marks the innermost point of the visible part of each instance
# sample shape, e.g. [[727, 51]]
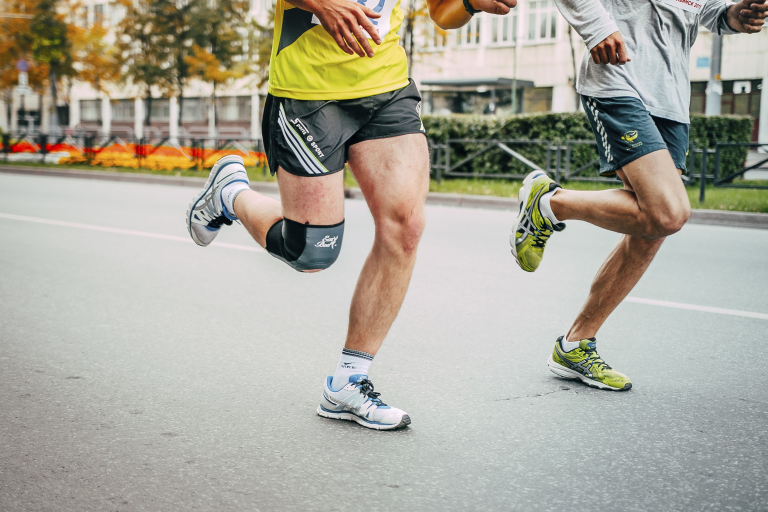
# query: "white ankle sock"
[[229, 194], [546, 208], [567, 346], [352, 362]]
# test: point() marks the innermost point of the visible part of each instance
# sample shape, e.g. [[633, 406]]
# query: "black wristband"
[[468, 7]]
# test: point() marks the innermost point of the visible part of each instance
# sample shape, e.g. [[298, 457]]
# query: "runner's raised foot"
[[358, 402], [207, 211], [584, 363], [532, 228]]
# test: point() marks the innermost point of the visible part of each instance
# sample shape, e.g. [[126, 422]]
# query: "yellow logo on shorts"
[[629, 136]]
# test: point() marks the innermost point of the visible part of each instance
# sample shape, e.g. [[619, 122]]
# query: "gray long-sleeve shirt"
[[658, 34]]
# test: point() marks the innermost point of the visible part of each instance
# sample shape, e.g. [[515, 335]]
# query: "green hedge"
[[705, 131]]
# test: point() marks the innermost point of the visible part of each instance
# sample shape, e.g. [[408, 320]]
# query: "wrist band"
[[468, 7]]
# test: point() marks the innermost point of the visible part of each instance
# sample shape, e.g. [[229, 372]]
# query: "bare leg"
[[650, 206], [619, 274], [393, 174], [654, 203], [317, 200]]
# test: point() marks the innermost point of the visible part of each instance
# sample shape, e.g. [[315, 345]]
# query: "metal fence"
[[570, 161], [573, 160]]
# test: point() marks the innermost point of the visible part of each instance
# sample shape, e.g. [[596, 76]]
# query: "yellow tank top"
[[307, 64]]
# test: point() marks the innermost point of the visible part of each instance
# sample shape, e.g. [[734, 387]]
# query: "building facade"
[[474, 69]]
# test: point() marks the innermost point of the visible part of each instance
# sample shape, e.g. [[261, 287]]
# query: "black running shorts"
[[312, 138], [625, 131]]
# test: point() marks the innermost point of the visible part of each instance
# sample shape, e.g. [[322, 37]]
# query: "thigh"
[[655, 180], [393, 173], [317, 200]]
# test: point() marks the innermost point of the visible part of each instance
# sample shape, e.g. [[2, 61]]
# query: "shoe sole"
[[348, 416], [522, 198], [196, 199], [567, 373]]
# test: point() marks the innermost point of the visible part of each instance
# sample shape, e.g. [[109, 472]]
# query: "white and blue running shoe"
[[358, 402], [206, 213]]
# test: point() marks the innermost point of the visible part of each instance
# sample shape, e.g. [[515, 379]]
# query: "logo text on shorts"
[[310, 139], [328, 241]]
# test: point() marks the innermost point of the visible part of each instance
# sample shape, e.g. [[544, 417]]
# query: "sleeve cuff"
[[723, 28], [598, 37]]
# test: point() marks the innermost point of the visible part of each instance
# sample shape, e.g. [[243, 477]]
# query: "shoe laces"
[[219, 221], [366, 388], [540, 236], [594, 359]]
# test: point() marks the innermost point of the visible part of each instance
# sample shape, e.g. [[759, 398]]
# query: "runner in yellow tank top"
[[307, 63], [333, 100]]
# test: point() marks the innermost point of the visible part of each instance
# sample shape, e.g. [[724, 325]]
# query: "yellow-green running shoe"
[[586, 364], [531, 229]]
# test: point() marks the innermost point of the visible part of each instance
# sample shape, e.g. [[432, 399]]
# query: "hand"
[[611, 50], [748, 16], [345, 21], [500, 7]]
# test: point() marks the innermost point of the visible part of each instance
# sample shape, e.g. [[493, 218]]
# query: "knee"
[[305, 247], [669, 220], [402, 231]]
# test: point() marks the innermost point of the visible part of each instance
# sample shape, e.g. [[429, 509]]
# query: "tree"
[[51, 45], [16, 43], [218, 49], [144, 46], [417, 27], [96, 61], [259, 41]]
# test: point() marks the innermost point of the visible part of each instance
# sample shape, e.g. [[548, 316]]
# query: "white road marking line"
[[145, 234], [693, 307]]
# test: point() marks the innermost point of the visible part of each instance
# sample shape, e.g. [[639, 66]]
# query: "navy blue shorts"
[[625, 131]]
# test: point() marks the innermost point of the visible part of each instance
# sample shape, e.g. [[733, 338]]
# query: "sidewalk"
[[712, 217]]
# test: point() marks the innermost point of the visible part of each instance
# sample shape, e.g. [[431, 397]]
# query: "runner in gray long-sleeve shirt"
[[635, 91]]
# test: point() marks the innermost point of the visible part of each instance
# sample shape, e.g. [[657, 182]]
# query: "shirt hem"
[[655, 111], [298, 94]]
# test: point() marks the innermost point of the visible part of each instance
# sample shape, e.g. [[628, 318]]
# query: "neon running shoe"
[[586, 364], [206, 213], [531, 229], [358, 402]]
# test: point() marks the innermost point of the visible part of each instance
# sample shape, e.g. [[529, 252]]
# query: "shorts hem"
[[387, 136], [305, 174], [650, 148]]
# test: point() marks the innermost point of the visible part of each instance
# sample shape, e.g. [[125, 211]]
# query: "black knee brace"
[[303, 246]]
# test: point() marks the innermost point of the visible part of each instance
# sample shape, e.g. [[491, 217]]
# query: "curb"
[[710, 217]]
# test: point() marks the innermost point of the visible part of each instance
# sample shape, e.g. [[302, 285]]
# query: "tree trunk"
[[54, 123], [148, 110], [215, 112]]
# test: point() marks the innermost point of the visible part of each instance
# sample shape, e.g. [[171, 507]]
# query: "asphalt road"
[[141, 373]]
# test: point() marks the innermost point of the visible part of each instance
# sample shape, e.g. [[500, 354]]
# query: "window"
[[161, 109], [194, 110], [98, 14], [504, 29], [123, 110], [469, 34], [89, 110], [436, 37], [234, 108], [542, 20]]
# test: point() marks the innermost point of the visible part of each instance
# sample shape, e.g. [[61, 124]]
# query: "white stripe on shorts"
[[310, 163]]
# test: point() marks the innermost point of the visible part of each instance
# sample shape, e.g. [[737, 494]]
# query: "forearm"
[[448, 13]]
